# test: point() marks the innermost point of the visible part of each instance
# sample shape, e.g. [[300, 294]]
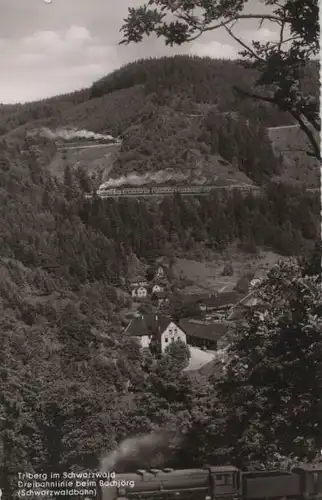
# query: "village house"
[[157, 288], [155, 328], [157, 331], [139, 289], [209, 335], [139, 292], [160, 272]]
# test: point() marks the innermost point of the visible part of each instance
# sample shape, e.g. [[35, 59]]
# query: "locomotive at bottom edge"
[[216, 483]]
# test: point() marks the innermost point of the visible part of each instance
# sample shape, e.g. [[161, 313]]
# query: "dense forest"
[[72, 385], [61, 262]]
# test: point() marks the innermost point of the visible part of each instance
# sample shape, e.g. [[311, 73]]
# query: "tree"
[[272, 392], [179, 353], [280, 62], [268, 404]]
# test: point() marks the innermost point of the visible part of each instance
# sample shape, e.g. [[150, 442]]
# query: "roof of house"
[[148, 324], [208, 331], [223, 299], [194, 298], [214, 300], [160, 295], [166, 270], [133, 286]]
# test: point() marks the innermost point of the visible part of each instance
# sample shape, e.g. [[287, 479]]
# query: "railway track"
[[170, 190]]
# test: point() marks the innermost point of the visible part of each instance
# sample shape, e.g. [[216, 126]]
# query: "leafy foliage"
[[275, 370], [268, 406]]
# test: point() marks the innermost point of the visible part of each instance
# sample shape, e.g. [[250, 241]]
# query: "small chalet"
[[139, 289], [212, 336], [157, 329], [157, 288], [160, 272], [139, 292]]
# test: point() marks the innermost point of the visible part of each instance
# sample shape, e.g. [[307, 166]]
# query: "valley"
[[129, 302]]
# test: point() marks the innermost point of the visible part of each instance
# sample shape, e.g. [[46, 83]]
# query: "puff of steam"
[[138, 180], [72, 133], [136, 448]]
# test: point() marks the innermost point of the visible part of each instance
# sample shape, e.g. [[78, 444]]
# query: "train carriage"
[[218, 483], [310, 480], [275, 484]]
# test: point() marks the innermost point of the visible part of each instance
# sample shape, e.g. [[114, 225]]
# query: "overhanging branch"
[[262, 17]]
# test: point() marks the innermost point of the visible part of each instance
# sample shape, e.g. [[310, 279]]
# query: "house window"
[[166, 340]]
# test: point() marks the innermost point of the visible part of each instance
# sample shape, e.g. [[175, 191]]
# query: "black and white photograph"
[[160, 250]]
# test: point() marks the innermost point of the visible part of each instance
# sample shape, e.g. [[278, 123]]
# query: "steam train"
[[216, 483], [164, 190]]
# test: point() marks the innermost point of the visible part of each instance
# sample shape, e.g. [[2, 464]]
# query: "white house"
[[172, 334], [159, 272], [139, 292], [157, 328], [157, 289]]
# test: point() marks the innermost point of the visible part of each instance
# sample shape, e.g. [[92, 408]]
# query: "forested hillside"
[[180, 110], [71, 384]]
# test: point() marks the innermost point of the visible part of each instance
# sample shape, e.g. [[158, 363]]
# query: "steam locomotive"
[[216, 483]]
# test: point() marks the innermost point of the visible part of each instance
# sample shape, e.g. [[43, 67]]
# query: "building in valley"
[[155, 331], [210, 335], [139, 290], [157, 288], [215, 306]]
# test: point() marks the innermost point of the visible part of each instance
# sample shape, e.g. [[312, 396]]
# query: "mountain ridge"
[[176, 112]]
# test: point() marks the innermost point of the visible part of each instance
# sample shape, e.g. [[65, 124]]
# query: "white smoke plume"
[[139, 451], [71, 133], [138, 180]]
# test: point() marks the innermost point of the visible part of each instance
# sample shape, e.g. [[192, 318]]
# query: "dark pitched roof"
[[166, 269], [223, 299], [148, 324], [194, 298], [159, 295], [213, 300], [208, 331]]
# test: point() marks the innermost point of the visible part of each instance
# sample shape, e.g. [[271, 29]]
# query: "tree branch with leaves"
[[280, 62]]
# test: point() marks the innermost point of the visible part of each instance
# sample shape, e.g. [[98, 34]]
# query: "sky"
[[53, 48]]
